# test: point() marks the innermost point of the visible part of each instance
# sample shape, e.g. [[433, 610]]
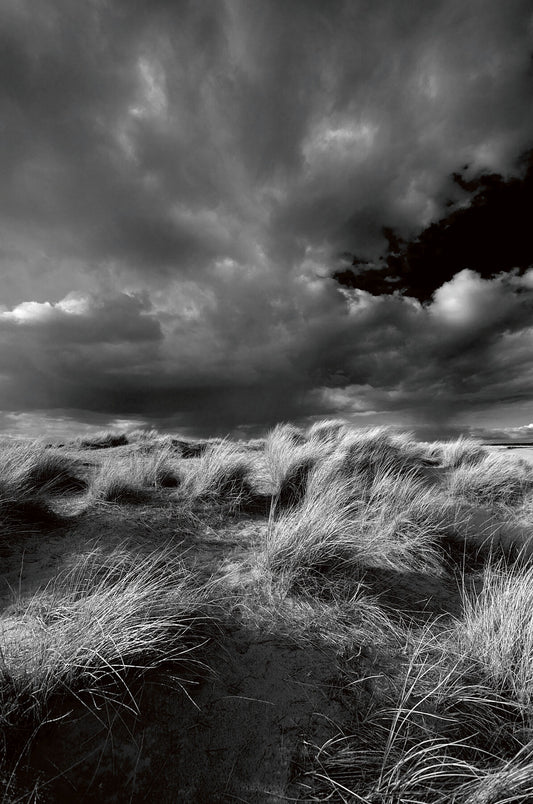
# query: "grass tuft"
[[495, 480], [135, 477], [108, 617], [454, 722], [29, 467], [461, 451], [104, 440], [29, 475], [220, 475], [368, 452], [344, 524], [329, 430]]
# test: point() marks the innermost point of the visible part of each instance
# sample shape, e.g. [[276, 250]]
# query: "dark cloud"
[[490, 234], [386, 358], [178, 179]]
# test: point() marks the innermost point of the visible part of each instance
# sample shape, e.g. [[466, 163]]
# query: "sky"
[[181, 179]]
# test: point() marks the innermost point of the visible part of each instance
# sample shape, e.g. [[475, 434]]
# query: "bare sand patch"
[[525, 453], [240, 740]]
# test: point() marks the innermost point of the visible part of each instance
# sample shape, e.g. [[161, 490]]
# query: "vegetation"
[[221, 474], [134, 477], [30, 476], [107, 615], [357, 604], [89, 635], [103, 440]]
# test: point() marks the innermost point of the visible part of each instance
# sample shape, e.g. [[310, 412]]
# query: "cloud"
[[310, 353], [487, 231], [178, 179], [84, 319], [170, 135]]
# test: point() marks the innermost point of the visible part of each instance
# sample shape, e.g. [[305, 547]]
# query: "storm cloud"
[[179, 179]]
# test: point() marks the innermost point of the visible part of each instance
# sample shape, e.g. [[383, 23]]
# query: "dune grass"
[[456, 721], [351, 520], [282, 450], [30, 477], [330, 430], [222, 474], [368, 452], [495, 636], [339, 624], [109, 614], [103, 440], [92, 632], [430, 714], [461, 451], [494, 480], [135, 477], [369, 499], [29, 467], [289, 459]]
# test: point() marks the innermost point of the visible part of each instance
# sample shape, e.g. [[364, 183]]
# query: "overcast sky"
[[180, 177]]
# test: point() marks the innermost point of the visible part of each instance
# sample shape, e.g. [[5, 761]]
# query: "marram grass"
[[106, 618], [428, 714]]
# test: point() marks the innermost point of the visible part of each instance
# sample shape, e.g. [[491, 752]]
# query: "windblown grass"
[[90, 635], [289, 459], [427, 714], [495, 636], [461, 451], [340, 624], [221, 475], [343, 525], [495, 480], [29, 475], [29, 467], [368, 452], [134, 477], [108, 616], [330, 430], [282, 450], [456, 722], [103, 440]]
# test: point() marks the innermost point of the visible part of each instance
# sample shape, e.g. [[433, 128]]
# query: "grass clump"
[[337, 624], [29, 467], [107, 617], [461, 451], [29, 475], [496, 480], [292, 488], [494, 638], [343, 526], [455, 721], [88, 638], [220, 475], [135, 477], [103, 440], [329, 430], [289, 459], [367, 453]]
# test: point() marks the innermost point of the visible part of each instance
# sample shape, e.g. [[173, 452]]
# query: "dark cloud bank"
[[218, 215]]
